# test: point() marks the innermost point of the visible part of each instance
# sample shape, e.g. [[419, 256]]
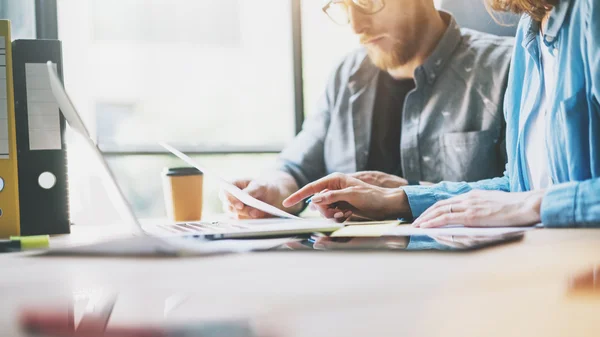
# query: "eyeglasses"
[[337, 10]]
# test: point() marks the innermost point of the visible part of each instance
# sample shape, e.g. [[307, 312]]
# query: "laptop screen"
[[76, 123]]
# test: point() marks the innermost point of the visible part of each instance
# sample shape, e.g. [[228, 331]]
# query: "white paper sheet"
[[455, 230], [234, 190]]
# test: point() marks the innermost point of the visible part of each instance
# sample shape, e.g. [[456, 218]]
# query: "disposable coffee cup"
[[182, 188]]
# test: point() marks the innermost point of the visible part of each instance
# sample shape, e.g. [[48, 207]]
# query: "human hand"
[[261, 190], [380, 179], [339, 196], [485, 209]]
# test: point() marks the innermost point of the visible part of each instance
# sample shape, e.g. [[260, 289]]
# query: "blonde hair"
[[536, 9]]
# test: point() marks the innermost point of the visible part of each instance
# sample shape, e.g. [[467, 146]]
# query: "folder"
[[9, 181], [42, 156]]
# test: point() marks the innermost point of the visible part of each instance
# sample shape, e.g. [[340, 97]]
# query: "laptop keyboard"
[[203, 227]]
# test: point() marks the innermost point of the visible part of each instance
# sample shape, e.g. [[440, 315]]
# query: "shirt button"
[[438, 62], [426, 158], [446, 114]]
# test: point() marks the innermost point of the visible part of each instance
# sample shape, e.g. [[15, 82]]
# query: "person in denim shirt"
[[552, 113]]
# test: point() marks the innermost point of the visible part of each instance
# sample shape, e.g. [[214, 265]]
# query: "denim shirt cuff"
[[558, 206], [420, 198]]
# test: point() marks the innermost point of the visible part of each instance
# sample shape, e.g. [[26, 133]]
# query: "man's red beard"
[[398, 56]]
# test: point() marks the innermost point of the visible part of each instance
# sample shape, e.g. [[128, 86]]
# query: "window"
[[204, 75], [196, 73]]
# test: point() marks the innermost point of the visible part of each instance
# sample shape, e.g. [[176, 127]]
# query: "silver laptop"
[[229, 229]]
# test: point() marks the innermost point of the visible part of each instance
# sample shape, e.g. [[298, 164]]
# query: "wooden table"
[[519, 289]]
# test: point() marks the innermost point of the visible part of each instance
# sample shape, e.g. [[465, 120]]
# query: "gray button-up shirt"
[[452, 123]]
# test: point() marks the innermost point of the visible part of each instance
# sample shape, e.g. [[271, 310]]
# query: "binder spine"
[[9, 182], [43, 187]]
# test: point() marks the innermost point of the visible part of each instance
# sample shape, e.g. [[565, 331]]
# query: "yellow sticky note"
[[370, 223], [368, 231]]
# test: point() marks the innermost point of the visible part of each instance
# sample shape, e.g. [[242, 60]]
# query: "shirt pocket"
[[470, 156], [570, 139]]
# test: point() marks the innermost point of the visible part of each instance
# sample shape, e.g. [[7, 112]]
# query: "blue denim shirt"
[[572, 124]]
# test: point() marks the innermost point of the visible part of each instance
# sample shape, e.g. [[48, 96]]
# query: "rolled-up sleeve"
[[574, 204], [420, 198]]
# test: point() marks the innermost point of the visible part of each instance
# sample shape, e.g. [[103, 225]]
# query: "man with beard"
[[421, 101]]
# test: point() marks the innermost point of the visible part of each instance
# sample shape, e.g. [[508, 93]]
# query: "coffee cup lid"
[[181, 171]]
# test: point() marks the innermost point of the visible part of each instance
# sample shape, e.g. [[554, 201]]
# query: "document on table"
[[229, 187]]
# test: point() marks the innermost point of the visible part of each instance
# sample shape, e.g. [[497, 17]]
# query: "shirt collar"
[[432, 66], [556, 20], [442, 53]]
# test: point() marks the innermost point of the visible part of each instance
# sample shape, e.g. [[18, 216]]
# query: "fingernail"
[[338, 215], [415, 225], [239, 205], [317, 199], [254, 213]]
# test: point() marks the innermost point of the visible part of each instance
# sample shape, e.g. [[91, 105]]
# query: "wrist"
[[534, 200], [284, 190], [395, 203]]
